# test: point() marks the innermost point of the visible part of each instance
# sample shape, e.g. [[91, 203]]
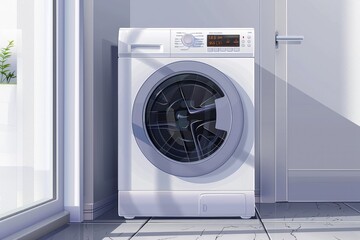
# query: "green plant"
[[5, 74]]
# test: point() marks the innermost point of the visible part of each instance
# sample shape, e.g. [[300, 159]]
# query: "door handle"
[[287, 39]]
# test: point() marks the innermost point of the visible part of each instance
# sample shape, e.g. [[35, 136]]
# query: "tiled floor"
[[313, 221], [293, 221]]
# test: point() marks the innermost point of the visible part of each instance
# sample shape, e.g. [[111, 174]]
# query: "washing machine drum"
[[188, 118]]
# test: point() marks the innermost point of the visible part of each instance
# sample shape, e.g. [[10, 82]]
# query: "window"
[[27, 100]]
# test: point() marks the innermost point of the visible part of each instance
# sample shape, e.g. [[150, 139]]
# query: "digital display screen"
[[223, 40]]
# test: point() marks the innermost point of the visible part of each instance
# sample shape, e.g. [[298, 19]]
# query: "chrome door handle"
[[287, 39]]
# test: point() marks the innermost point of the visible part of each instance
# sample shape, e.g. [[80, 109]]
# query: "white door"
[[318, 101]]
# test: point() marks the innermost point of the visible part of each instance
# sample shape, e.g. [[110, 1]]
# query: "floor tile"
[[354, 205], [94, 231], [313, 230], [204, 220], [112, 216], [307, 212], [202, 231]]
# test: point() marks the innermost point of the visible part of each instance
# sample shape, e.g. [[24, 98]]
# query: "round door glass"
[[180, 117], [188, 118]]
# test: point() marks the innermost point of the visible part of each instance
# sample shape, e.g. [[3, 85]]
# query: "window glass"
[[26, 104]]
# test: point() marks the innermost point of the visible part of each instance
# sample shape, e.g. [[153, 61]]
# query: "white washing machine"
[[186, 122]]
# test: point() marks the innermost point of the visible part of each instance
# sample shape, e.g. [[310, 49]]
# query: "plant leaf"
[[5, 54]]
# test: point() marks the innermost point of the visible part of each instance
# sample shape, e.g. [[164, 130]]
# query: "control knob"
[[188, 40]]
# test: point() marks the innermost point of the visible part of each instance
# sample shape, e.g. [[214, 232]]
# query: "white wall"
[[102, 20]]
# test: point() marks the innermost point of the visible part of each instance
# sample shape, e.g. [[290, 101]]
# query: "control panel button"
[[188, 40], [236, 49], [249, 36], [229, 49], [222, 49], [249, 41], [249, 45], [216, 49], [243, 45], [210, 49], [242, 41]]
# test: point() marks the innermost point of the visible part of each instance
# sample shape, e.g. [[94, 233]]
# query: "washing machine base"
[[186, 204]]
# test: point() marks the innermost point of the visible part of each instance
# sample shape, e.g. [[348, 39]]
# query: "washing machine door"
[[188, 118]]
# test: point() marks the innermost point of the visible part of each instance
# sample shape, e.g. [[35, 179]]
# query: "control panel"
[[222, 42], [187, 42]]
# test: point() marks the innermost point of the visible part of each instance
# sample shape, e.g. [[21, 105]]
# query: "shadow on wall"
[[109, 106], [322, 151], [321, 142], [322, 145]]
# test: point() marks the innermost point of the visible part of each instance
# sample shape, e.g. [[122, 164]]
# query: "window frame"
[[21, 220]]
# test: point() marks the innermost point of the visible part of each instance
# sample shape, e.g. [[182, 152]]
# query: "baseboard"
[[317, 185], [42, 228], [257, 195], [94, 210]]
